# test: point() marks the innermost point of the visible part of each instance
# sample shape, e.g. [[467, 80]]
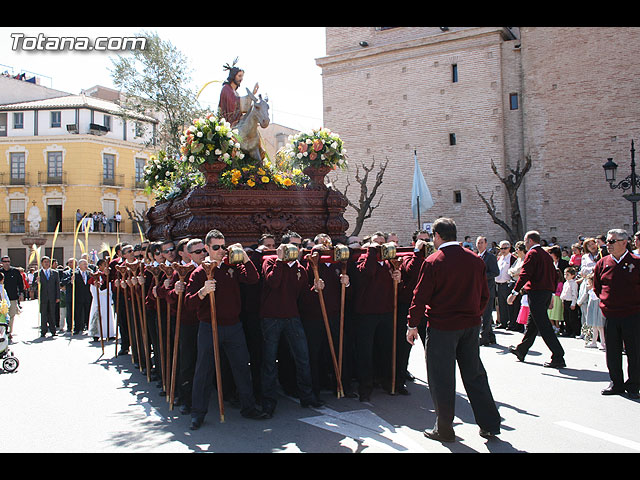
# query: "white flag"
[[420, 192]]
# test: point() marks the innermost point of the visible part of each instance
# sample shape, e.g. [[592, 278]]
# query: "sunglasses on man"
[[199, 251], [215, 248], [611, 241], [167, 250]]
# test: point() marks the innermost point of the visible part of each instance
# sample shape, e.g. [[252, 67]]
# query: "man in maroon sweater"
[[538, 278], [226, 285], [616, 281], [374, 317], [283, 284], [452, 292]]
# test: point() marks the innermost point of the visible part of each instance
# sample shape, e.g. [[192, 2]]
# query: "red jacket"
[[374, 293], [618, 285], [282, 286], [538, 272], [452, 289], [410, 269], [228, 300]]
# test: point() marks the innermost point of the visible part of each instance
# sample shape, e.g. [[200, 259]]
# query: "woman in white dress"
[[106, 306]]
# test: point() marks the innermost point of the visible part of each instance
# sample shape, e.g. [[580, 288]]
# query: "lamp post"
[[632, 182]]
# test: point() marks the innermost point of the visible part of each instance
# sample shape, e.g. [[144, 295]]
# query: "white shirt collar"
[[447, 244], [623, 255]]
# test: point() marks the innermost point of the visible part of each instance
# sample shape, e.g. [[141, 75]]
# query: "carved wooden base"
[[243, 215]]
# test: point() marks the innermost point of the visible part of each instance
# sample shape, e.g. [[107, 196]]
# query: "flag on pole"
[[421, 199]]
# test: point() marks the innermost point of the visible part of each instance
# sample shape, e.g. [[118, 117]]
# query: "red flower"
[[317, 145], [302, 147]]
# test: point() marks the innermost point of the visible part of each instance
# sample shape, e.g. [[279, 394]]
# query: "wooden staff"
[[137, 268], [343, 292], [209, 268], [313, 261], [135, 312], [155, 271], [122, 269], [183, 271], [395, 262], [116, 312], [168, 271], [97, 280]]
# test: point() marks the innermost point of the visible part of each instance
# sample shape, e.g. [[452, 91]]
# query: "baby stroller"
[[8, 363]]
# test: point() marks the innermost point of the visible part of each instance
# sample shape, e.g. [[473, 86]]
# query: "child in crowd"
[[556, 306], [595, 320], [569, 297], [576, 257]]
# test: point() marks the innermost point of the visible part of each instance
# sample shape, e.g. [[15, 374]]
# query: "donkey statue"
[[258, 114]]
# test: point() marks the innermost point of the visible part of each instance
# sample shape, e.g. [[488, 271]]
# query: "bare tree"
[[365, 207], [512, 182]]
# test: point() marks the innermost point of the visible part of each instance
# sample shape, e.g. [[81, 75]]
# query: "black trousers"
[[539, 322], [443, 350], [188, 355], [502, 292], [373, 348], [48, 317], [619, 333], [81, 315], [403, 348], [486, 330], [571, 320]]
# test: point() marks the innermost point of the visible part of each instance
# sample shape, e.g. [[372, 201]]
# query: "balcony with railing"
[[138, 183], [51, 178], [112, 180], [8, 179]]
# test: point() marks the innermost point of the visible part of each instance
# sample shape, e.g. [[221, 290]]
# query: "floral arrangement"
[[260, 177], [319, 147], [167, 177], [209, 139]]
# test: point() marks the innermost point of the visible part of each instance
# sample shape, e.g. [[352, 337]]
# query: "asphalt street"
[[67, 396]]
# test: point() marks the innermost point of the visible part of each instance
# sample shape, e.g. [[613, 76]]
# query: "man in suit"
[[538, 279], [82, 294], [487, 337], [452, 292], [49, 296]]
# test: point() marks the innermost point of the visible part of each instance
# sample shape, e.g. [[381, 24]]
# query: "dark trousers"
[[571, 320], [619, 333], [231, 339], [48, 317], [253, 337], [502, 292], [188, 355], [154, 342], [126, 327], [373, 347], [81, 315], [403, 348], [443, 350], [539, 322], [486, 330]]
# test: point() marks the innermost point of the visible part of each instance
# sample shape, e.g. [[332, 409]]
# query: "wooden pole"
[[183, 271], [122, 269], [343, 292], [155, 271], [139, 269], [209, 268], [168, 271], [313, 261], [396, 264]]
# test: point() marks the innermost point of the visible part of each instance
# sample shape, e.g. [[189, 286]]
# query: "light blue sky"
[[280, 59]]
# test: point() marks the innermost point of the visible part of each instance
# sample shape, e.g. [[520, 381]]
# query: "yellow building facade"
[[71, 155]]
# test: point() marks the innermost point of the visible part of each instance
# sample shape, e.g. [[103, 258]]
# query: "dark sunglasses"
[[217, 247], [612, 241], [199, 251], [169, 250]]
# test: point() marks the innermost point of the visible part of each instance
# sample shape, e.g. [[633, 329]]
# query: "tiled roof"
[[77, 101]]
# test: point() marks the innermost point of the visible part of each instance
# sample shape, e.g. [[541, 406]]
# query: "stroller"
[[8, 363]]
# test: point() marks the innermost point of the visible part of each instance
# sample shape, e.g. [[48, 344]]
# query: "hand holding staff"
[[168, 271], [209, 268], [183, 272]]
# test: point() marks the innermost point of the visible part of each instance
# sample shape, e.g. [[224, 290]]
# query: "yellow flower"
[[245, 169], [251, 183], [287, 182], [265, 179], [261, 171]]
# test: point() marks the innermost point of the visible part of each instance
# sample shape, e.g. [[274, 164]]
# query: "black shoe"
[[484, 343], [554, 364], [311, 403], [514, 350], [488, 434], [612, 391], [633, 395], [350, 394], [255, 414], [123, 352], [433, 435], [185, 410], [365, 397], [402, 390], [196, 423]]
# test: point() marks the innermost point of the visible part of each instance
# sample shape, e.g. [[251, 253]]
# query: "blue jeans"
[[272, 328]]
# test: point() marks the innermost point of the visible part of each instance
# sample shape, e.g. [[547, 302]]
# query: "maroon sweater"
[[374, 293], [171, 297], [282, 286], [618, 285], [310, 300], [538, 272], [452, 289], [410, 269], [227, 294]]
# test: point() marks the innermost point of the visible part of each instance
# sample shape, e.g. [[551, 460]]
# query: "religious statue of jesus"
[[232, 106]]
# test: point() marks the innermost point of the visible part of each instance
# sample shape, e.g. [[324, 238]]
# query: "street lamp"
[[632, 182]]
